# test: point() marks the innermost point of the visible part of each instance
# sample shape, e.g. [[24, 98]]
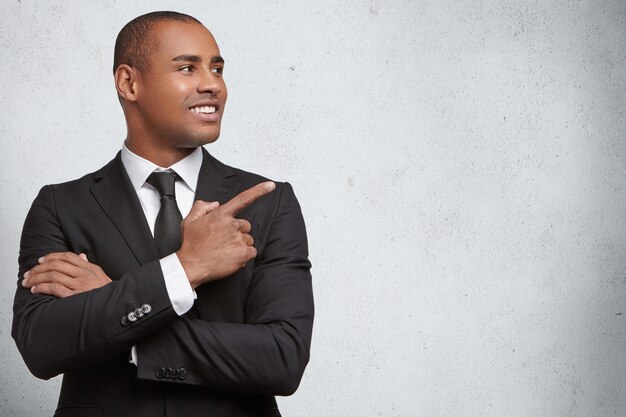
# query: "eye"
[[186, 68], [217, 70]]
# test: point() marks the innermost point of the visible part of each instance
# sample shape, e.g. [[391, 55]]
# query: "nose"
[[210, 82]]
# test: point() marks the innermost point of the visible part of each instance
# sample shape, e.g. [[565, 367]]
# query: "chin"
[[193, 141], [211, 140]]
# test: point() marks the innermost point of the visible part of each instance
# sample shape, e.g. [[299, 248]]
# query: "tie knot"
[[163, 182]]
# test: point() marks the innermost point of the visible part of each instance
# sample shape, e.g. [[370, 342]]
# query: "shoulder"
[[215, 166], [246, 179], [73, 188], [281, 198], [92, 177]]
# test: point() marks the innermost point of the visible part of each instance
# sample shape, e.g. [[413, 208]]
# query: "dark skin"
[[185, 73]]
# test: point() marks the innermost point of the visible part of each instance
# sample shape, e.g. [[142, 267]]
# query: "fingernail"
[[33, 289], [26, 274], [270, 186], [40, 260], [24, 282]]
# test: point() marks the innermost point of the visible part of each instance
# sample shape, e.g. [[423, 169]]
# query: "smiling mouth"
[[203, 109]]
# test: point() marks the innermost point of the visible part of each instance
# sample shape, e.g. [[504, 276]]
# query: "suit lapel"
[[117, 198], [115, 194], [216, 181]]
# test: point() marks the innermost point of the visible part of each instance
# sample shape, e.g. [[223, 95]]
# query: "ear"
[[126, 82]]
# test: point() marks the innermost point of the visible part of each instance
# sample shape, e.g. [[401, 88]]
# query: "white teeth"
[[203, 109]]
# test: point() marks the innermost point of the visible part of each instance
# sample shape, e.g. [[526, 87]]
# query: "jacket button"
[[182, 373], [139, 313], [159, 372], [146, 308], [132, 317], [124, 321], [168, 372]]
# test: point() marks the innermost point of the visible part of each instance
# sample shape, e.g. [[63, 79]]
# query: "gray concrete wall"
[[461, 167]]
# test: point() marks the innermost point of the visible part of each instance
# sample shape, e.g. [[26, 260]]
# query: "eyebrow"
[[195, 58]]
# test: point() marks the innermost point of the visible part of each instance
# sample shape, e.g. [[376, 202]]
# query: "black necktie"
[[167, 226]]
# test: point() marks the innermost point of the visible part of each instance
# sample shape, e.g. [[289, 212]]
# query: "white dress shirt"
[[138, 169]]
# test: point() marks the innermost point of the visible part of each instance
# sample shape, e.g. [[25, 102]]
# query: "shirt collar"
[[139, 169]]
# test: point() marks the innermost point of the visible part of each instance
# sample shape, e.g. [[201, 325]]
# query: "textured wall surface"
[[461, 167]]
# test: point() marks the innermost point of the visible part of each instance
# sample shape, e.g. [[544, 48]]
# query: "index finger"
[[244, 199], [69, 257]]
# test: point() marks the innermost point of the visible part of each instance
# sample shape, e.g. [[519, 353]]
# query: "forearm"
[[55, 335], [243, 358]]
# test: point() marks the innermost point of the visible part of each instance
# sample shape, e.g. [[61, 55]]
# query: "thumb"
[[84, 257], [201, 208]]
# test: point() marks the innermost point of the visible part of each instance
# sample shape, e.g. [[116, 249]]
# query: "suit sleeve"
[[55, 335], [268, 353]]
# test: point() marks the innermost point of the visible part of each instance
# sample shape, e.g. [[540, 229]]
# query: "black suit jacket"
[[246, 339]]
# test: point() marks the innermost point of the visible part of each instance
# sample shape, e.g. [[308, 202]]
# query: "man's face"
[[181, 96]]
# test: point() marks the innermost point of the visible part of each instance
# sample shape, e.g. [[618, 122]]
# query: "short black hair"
[[134, 44]]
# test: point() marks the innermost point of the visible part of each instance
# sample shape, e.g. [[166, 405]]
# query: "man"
[[212, 318]]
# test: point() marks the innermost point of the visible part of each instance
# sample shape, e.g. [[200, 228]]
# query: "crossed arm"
[[215, 244], [267, 354]]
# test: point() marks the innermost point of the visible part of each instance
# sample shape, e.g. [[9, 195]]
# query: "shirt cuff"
[[133, 356], [177, 284]]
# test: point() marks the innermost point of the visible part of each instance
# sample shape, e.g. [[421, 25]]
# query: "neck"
[[164, 157]]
